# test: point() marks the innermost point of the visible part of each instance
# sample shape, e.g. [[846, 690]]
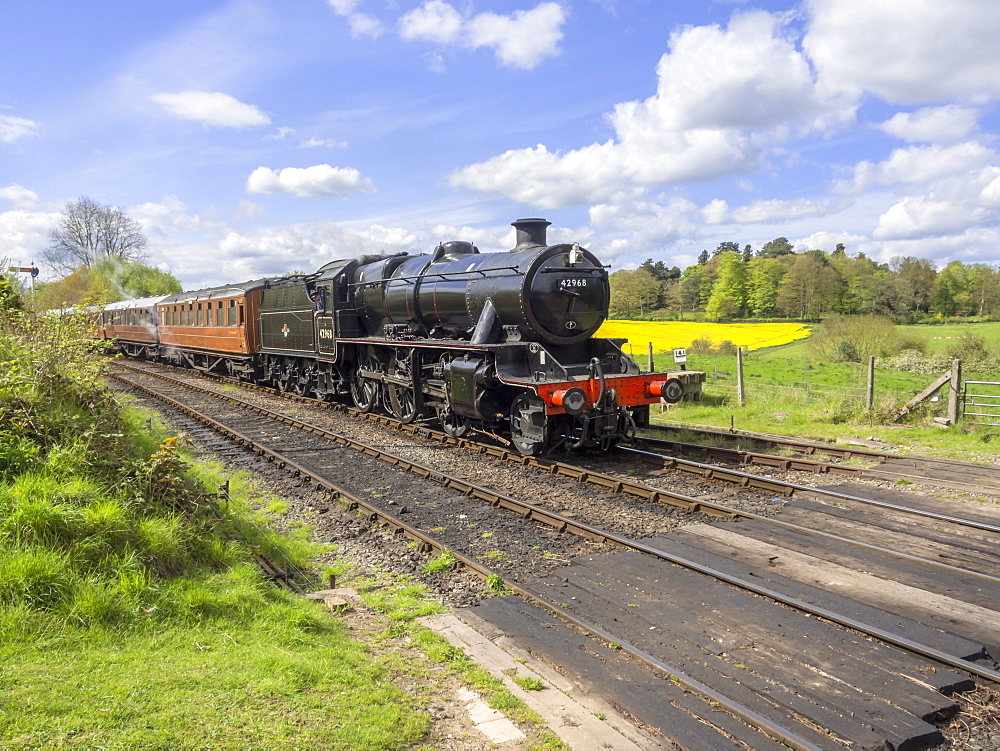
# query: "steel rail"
[[616, 485], [810, 447], [803, 464], [746, 478], [562, 524], [375, 514]]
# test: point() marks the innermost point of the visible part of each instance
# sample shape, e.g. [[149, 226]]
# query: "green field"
[[938, 338], [789, 390]]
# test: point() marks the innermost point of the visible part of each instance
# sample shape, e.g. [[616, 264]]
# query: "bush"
[[700, 347], [726, 347], [855, 338], [970, 348]]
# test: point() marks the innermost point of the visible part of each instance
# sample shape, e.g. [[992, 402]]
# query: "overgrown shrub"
[[96, 522], [969, 348], [700, 347], [708, 347], [856, 338]]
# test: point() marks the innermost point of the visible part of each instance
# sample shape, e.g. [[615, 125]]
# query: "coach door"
[[326, 342]]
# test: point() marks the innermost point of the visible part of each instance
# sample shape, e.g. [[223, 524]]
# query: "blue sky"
[[254, 137]]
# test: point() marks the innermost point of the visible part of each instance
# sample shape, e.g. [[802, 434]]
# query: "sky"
[[256, 137]]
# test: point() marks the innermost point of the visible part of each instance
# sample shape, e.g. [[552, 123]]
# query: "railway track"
[[700, 666], [799, 456]]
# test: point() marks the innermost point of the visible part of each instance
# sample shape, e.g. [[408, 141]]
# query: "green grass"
[[130, 615], [283, 677], [941, 337], [814, 420], [777, 380]]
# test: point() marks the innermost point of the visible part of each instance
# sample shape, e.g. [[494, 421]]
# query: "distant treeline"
[[775, 281]]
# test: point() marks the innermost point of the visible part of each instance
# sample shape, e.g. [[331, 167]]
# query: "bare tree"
[[89, 232]]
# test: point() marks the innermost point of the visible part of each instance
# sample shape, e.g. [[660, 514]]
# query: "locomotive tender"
[[499, 343]]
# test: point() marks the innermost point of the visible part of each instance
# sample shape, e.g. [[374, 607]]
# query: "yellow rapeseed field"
[[668, 335]]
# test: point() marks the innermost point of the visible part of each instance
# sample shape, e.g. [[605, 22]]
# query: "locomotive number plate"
[[573, 282]]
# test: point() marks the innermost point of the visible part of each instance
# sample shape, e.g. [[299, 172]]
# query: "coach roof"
[[212, 293]]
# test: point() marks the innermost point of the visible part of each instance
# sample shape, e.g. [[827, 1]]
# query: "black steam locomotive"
[[499, 343]]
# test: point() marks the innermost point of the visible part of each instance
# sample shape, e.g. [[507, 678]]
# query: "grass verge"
[[130, 617]]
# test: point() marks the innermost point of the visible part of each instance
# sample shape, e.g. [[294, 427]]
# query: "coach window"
[[232, 312]]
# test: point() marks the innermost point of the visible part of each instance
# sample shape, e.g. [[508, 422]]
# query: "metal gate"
[[982, 407]]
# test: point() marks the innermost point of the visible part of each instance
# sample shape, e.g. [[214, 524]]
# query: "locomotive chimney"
[[530, 232]]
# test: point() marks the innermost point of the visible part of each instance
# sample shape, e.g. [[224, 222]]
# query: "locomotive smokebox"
[[530, 232]]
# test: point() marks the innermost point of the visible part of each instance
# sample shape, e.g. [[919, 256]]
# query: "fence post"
[[805, 376], [649, 355], [740, 392], [870, 391], [953, 391]]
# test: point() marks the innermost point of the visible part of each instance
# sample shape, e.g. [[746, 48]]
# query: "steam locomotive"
[[498, 343]]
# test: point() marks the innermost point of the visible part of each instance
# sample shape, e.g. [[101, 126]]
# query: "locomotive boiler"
[[499, 343]]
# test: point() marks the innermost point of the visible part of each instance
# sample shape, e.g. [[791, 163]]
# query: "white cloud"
[[12, 128], [908, 52], [715, 211], [249, 210], [770, 210], [435, 62], [647, 223], [168, 219], [24, 234], [990, 195], [309, 182], [361, 24], [950, 204], [434, 21], [211, 108], [21, 197], [923, 164], [327, 143], [920, 216], [523, 39], [304, 247], [932, 124], [746, 76], [723, 97], [343, 7], [283, 133], [520, 40]]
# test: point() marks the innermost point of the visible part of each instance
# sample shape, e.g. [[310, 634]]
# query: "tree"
[[89, 232], [984, 288], [809, 288], [729, 291], [913, 284], [703, 258], [11, 290], [689, 288], [633, 293], [110, 280], [726, 247], [779, 246], [950, 293], [764, 280]]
